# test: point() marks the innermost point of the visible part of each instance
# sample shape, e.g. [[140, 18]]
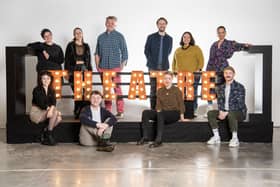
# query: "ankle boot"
[[49, 139], [105, 145]]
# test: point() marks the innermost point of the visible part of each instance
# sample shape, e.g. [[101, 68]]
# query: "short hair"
[[163, 19], [192, 42], [43, 73], [221, 27], [112, 18], [229, 68], [43, 32], [96, 92], [169, 73]]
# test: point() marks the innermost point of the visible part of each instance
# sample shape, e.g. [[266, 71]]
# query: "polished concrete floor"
[[173, 164]]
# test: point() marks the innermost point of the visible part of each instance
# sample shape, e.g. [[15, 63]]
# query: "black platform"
[[259, 128]]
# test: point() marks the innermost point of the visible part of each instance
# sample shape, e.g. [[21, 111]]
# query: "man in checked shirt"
[[111, 54]]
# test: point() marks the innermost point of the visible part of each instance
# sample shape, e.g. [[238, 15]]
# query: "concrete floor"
[[173, 164]]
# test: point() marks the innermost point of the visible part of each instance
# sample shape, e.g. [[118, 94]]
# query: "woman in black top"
[[44, 106], [77, 58], [50, 55]]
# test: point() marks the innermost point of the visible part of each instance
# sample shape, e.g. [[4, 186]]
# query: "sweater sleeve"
[[59, 59], [174, 63], [112, 119], [36, 46], [85, 118]]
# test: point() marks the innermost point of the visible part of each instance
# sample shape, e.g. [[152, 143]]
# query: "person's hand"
[[79, 62], [247, 45], [122, 65], [102, 125], [50, 112], [222, 115], [184, 120], [46, 55]]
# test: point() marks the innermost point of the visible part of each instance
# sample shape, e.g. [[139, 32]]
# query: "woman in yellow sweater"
[[188, 57]]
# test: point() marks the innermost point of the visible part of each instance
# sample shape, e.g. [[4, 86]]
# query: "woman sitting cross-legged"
[[44, 107], [169, 109]]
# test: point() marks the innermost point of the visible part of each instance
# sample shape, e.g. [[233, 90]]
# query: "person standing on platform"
[[157, 50], [111, 54], [50, 55], [96, 124], [220, 52], [44, 107], [231, 107], [77, 58], [189, 58], [169, 109]]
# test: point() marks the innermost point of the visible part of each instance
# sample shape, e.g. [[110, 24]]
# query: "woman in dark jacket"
[[77, 58], [50, 55], [44, 106]]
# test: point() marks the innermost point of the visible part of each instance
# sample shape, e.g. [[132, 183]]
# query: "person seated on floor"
[[96, 124], [231, 107], [169, 109], [44, 107]]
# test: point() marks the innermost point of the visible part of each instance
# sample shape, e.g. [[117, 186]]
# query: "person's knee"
[[211, 114], [231, 116]]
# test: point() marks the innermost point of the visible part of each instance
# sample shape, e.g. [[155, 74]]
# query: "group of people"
[[167, 104]]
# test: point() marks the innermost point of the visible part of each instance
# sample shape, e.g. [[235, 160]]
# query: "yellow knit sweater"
[[188, 59]]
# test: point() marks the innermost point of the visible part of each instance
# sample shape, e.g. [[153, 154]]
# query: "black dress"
[[73, 54]]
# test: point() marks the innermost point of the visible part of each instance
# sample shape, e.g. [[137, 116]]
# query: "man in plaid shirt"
[[111, 54]]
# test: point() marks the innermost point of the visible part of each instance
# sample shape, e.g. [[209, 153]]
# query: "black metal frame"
[[259, 128]]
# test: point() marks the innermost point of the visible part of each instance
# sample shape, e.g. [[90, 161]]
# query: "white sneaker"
[[214, 140], [209, 108], [234, 142]]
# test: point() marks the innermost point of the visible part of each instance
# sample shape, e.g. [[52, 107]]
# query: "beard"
[[161, 29]]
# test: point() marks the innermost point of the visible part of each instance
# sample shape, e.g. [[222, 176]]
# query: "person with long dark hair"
[[49, 54], [44, 107], [77, 58], [189, 57]]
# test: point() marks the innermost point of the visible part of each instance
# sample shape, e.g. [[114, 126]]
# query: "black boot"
[[49, 139], [142, 141], [105, 145], [155, 144]]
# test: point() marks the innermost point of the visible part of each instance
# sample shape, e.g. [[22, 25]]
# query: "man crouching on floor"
[[96, 124]]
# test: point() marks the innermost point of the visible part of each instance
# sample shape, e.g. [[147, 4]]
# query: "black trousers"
[[78, 105], [153, 92], [161, 118]]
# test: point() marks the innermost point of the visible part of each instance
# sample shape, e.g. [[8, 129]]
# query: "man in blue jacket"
[[157, 49], [231, 107], [96, 124]]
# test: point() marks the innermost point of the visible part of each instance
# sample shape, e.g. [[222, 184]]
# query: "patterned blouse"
[[218, 59]]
